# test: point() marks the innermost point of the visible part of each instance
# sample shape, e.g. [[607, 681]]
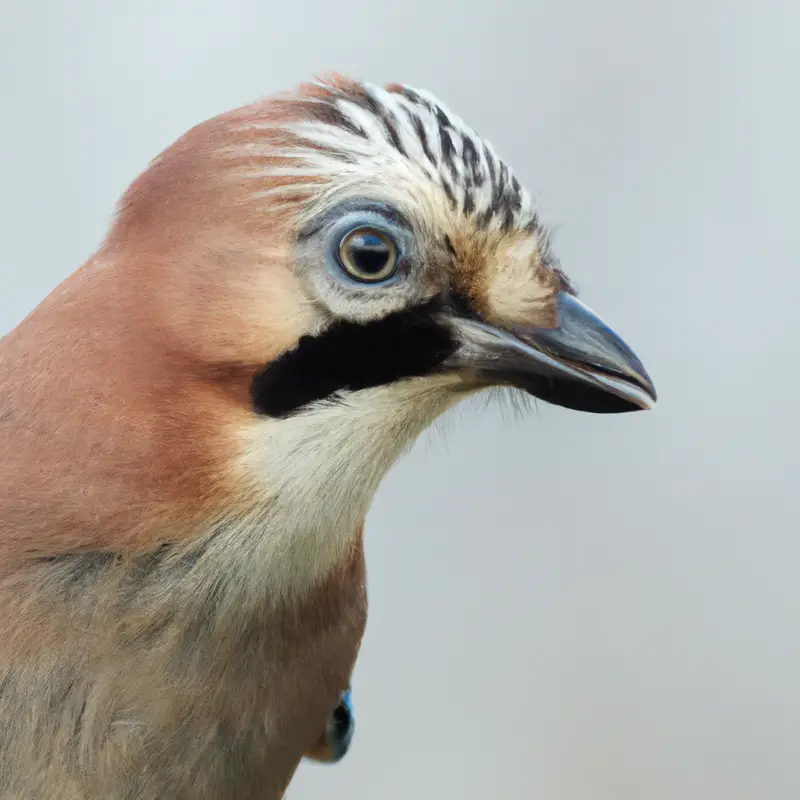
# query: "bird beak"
[[580, 364]]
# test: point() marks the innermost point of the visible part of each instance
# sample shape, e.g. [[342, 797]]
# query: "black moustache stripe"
[[349, 356]]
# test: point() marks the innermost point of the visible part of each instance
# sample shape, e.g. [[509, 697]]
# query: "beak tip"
[[651, 395], [646, 397]]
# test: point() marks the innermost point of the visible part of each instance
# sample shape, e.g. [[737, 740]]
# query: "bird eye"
[[368, 255]]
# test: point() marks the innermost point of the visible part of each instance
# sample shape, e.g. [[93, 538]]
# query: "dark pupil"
[[369, 253]]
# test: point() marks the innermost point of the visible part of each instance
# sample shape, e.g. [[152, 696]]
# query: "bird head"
[[351, 261]]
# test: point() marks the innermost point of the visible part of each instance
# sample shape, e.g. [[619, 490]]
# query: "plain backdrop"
[[563, 607]]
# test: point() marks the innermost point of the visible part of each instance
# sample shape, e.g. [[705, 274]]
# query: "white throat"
[[309, 479]]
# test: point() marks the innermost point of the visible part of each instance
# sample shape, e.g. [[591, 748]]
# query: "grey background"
[[563, 607]]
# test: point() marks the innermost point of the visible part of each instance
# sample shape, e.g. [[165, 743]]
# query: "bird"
[[194, 424]]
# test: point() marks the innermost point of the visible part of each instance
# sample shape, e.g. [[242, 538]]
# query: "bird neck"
[[308, 480]]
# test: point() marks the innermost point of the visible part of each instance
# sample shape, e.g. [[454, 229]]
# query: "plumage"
[[195, 422]]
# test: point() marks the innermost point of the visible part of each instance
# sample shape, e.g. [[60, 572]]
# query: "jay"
[[194, 424]]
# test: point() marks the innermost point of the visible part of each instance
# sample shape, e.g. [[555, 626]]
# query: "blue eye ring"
[[368, 254]]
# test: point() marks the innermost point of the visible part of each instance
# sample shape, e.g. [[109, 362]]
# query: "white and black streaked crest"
[[359, 133]]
